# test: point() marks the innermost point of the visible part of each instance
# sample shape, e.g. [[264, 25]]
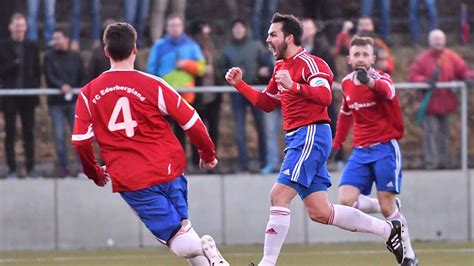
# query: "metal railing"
[[222, 89]]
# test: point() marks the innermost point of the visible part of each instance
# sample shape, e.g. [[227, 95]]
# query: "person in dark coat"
[[19, 68], [63, 70]]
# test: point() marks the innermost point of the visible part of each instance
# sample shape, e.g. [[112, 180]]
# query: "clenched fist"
[[283, 79], [233, 76], [207, 165], [362, 75]]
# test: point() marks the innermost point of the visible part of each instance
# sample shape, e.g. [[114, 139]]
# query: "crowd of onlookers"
[[188, 60]]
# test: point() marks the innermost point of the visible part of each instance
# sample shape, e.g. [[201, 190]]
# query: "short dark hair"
[[16, 16], [119, 40], [173, 16], [290, 25], [63, 31], [361, 41], [238, 21]]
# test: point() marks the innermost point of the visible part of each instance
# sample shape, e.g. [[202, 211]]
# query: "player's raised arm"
[[381, 83], [267, 100], [384, 86], [82, 138], [171, 103]]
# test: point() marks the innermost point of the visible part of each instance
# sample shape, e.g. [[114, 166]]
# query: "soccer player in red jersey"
[[125, 111], [301, 83], [370, 103]]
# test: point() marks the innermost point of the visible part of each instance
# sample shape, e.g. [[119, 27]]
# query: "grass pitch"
[[432, 254]]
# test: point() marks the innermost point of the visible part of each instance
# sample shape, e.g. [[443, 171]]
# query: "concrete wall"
[[27, 214], [471, 202], [87, 216], [70, 214]]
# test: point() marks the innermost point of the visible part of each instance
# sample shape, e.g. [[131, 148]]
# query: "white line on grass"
[[227, 254], [358, 252]]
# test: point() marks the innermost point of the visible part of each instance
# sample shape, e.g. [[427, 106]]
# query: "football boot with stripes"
[[395, 241]]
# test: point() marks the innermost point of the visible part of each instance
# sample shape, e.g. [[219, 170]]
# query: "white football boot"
[[211, 252]]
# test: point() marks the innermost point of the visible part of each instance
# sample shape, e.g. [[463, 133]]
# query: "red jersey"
[[310, 104], [375, 112], [125, 111]]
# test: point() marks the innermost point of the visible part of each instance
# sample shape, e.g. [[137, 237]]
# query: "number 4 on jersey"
[[123, 106]]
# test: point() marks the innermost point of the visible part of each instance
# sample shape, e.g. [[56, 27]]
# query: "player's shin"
[[354, 220], [398, 215], [367, 204], [276, 231]]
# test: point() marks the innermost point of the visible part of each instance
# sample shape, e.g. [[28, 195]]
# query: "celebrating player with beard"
[[370, 103], [301, 83]]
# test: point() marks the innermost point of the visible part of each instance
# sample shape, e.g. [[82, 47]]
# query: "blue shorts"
[[162, 207], [380, 163], [304, 166]]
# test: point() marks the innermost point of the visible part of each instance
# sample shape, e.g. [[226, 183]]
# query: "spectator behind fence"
[[261, 17], [366, 9], [98, 63], [76, 23], [7, 9], [63, 70], [49, 19], [249, 55], [158, 13], [178, 60], [343, 39], [438, 64], [318, 45], [273, 121], [365, 28], [324, 12], [413, 8], [136, 13], [19, 68], [208, 105]]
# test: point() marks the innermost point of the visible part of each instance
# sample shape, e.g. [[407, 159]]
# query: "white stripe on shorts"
[[398, 162], [308, 145]]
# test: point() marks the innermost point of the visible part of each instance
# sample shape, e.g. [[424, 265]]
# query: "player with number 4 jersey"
[[124, 110], [128, 110]]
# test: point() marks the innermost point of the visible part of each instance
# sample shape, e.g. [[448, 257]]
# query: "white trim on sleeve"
[[80, 137], [392, 89], [84, 98], [345, 113], [191, 121], [273, 96], [161, 101]]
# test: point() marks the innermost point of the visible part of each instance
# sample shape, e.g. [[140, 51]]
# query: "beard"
[[279, 51]]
